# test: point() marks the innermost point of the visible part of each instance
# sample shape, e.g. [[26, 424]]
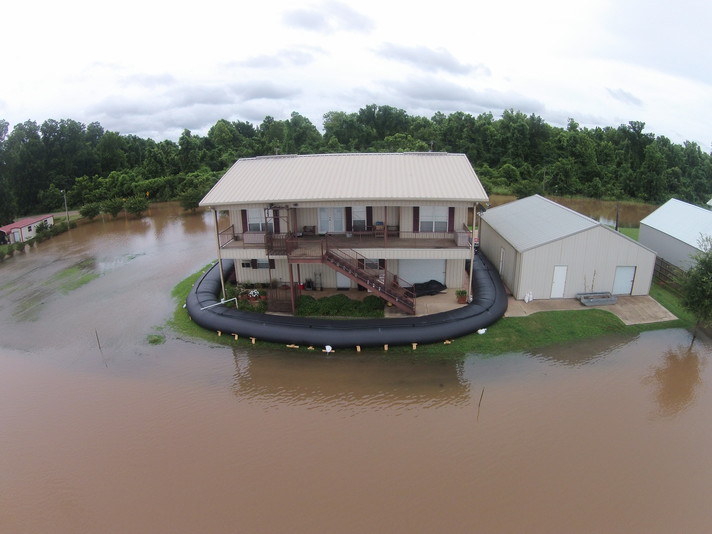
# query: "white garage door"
[[419, 271]]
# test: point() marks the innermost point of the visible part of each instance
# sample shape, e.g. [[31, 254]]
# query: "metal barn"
[[544, 250], [674, 231]]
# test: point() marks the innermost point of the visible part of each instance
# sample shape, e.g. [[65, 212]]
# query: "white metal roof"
[[682, 221], [534, 221], [389, 177]]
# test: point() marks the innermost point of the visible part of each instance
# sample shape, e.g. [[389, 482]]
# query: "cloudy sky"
[[154, 67]]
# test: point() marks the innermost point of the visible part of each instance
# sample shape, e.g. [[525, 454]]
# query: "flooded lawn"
[[100, 431]]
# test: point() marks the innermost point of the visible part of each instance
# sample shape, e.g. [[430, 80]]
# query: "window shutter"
[[451, 219], [369, 216], [243, 214], [349, 222], [271, 263], [275, 220], [253, 264], [416, 218]]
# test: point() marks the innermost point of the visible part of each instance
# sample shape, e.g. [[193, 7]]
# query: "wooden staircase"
[[379, 280]]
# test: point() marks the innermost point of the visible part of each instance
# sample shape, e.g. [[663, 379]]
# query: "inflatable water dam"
[[488, 305]]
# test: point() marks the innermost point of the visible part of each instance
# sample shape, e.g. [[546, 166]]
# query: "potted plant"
[[461, 296]]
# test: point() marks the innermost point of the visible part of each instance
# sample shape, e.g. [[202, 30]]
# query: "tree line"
[[514, 154]]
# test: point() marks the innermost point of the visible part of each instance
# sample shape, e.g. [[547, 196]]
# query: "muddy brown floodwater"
[[185, 437]]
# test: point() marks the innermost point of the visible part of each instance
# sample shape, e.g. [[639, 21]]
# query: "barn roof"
[[534, 221], [682, 221]]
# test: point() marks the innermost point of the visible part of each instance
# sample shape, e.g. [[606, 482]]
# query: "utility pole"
[[66, 211]]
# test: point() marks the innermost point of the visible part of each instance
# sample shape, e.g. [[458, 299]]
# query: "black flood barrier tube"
[[488, 305]]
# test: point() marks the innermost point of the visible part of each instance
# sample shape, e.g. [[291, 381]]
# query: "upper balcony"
[[309, 243]]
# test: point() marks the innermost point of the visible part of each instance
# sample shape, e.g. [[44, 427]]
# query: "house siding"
[[491, 243], [591, 258], [667, 247]]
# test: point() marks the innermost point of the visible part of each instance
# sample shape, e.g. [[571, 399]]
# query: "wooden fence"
[[668, 275]]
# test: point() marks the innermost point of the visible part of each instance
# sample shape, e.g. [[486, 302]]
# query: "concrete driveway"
[[630, 310]]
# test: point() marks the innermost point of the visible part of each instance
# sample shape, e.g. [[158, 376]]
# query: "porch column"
[[472, 253], [292, 289], [385, 224], [220, 265]]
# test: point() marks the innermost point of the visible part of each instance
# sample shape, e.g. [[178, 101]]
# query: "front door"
[[623, 282], [331, 220], [342, 281], [558, 283]]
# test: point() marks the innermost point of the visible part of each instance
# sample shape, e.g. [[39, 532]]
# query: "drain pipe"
[[220, 266], [219, 303]]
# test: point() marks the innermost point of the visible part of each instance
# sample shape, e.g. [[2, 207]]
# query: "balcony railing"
[[289, 243]]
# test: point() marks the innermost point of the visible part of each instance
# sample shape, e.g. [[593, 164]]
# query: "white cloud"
[[154, 68]]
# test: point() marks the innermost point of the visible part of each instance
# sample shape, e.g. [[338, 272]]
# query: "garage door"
[[419, 271], [623, 282]]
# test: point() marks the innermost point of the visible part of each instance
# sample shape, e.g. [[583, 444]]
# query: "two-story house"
[[383, 222]]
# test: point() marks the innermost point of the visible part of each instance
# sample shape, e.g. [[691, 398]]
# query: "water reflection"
[[677, 380], [197, 223], [584, 352], [348, 380]]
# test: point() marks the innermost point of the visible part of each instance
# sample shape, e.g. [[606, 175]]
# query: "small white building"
[[24, 229], [674, 231], [544, 250]]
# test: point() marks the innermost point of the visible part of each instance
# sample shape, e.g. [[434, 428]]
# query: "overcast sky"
[[153, 68]]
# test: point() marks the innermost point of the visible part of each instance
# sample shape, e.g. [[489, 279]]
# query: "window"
[[256, 220], [358, 218], [372, 263], [262, 264], [433, 218]]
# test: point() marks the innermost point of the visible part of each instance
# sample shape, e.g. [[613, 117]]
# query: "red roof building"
[[24, 229]]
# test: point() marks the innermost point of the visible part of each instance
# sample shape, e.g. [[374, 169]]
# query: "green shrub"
[[42, 228], [90, 210], [373, 303], [339, 305], [256, 306]]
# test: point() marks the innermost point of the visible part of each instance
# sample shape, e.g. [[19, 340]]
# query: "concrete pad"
[[631, 310]]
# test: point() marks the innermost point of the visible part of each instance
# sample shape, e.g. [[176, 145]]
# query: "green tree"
[[111, 152], [8, 208], [189, 151], [136, 205], [24, 162], [652, 175], [50, 199], [190, 199], [697, 285], [112, 206], [90, 210]]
